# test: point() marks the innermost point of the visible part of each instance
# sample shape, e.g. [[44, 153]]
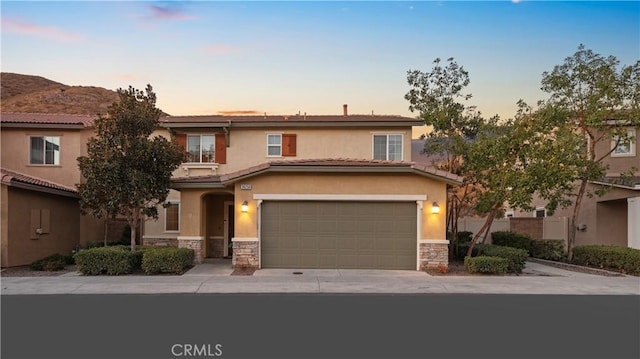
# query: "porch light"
[[435, 208], [245, 207]]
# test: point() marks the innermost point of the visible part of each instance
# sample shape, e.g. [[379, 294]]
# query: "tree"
[[439, 98], [127, 170], [600, 100]]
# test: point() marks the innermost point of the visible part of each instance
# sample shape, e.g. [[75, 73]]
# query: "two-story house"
[[40, 210], [614, 218], [304, 192]]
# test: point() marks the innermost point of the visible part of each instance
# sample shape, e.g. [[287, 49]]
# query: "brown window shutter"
[[181, 140], [221, 148], [289, 144]]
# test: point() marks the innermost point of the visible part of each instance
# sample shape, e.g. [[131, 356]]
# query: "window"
[[45, 150], [172, 217], [626, 147], [540, 212], [274, 145], [201, 148], [387, 147]]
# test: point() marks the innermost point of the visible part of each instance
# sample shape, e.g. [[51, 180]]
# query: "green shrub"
[[464, 248], [114, 260], [622, 259], [485, 264], [511, 239], [516, 258], [52, 263], [167, 260], [551, 249], [464, 237]]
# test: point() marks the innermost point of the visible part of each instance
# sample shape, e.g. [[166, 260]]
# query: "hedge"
[[485, 264], [622, 259], [511, 239], [551, 249], [167, 260], [54, 262], [515, 257], [114, 260]]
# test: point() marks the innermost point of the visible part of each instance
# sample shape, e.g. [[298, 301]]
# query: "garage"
[[338, 234]]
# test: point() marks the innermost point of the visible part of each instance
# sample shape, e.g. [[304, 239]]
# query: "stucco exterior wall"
[[64, 232], [15, 154], [156, 228], [619, 164], [248, 147]]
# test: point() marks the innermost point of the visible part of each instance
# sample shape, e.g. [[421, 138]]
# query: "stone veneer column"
[[433, 253], [195, 243], [246, 253]]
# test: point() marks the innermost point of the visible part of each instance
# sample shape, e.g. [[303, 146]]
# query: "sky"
[[282, 58]]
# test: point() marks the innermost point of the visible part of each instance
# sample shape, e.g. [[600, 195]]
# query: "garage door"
[[366, 235]]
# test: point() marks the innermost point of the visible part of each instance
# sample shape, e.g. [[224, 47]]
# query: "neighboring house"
[[614, 218], [40, 210], [304, 192]]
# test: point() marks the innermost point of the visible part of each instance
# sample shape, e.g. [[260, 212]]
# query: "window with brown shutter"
[[289, 144], [221, 148]]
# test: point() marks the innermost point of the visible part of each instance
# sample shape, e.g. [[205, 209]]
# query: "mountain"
[[35, 94]]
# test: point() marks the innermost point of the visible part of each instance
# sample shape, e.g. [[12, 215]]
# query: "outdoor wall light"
[[245, 207], [435, 209]]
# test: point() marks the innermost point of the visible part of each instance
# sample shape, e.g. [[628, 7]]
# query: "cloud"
[[32, 29], [239, 112], [168, 12]]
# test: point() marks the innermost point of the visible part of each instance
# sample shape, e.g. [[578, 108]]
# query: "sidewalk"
[[217, 278]]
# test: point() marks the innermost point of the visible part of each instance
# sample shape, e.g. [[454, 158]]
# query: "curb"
[[576, 268]]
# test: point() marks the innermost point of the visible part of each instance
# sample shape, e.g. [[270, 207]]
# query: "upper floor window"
[[201, 148], [625, 147], [172, 217], [387, 147], [274, 145], [44, 150], [540, 212]]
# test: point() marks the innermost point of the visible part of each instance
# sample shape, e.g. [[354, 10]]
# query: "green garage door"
[[366, 235]]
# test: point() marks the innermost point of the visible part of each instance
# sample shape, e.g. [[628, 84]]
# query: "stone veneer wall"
[[160, 242], [245, 254], [216, 246], [433, 255], [196, 245]]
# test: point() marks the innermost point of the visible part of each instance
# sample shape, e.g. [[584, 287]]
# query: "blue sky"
[[208, 57]]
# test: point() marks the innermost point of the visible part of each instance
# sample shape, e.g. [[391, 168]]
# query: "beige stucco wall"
[[433, 225], [15, 154], [4, 225], [18, 248], [618, 164], [248, 147], [155, 228]]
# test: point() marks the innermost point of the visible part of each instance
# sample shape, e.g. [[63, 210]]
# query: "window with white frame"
[[44, 150], [172, 217], [201, 148], [540, 212], [624, 147], [274, 145], [387, 147]]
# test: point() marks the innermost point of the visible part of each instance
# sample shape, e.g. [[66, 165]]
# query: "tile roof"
[[319, 163], [47, 119], [222, 119], [9, 177]]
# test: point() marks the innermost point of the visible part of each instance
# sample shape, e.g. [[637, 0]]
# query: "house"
[[614, 218], [40, 210], [300, 191]]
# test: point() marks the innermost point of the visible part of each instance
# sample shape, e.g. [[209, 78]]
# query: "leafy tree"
[[127, 169], [600, 101], [439, 98]]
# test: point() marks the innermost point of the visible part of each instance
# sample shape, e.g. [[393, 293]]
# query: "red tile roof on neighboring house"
[[335, 164], [12, 178], [45, 119]]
